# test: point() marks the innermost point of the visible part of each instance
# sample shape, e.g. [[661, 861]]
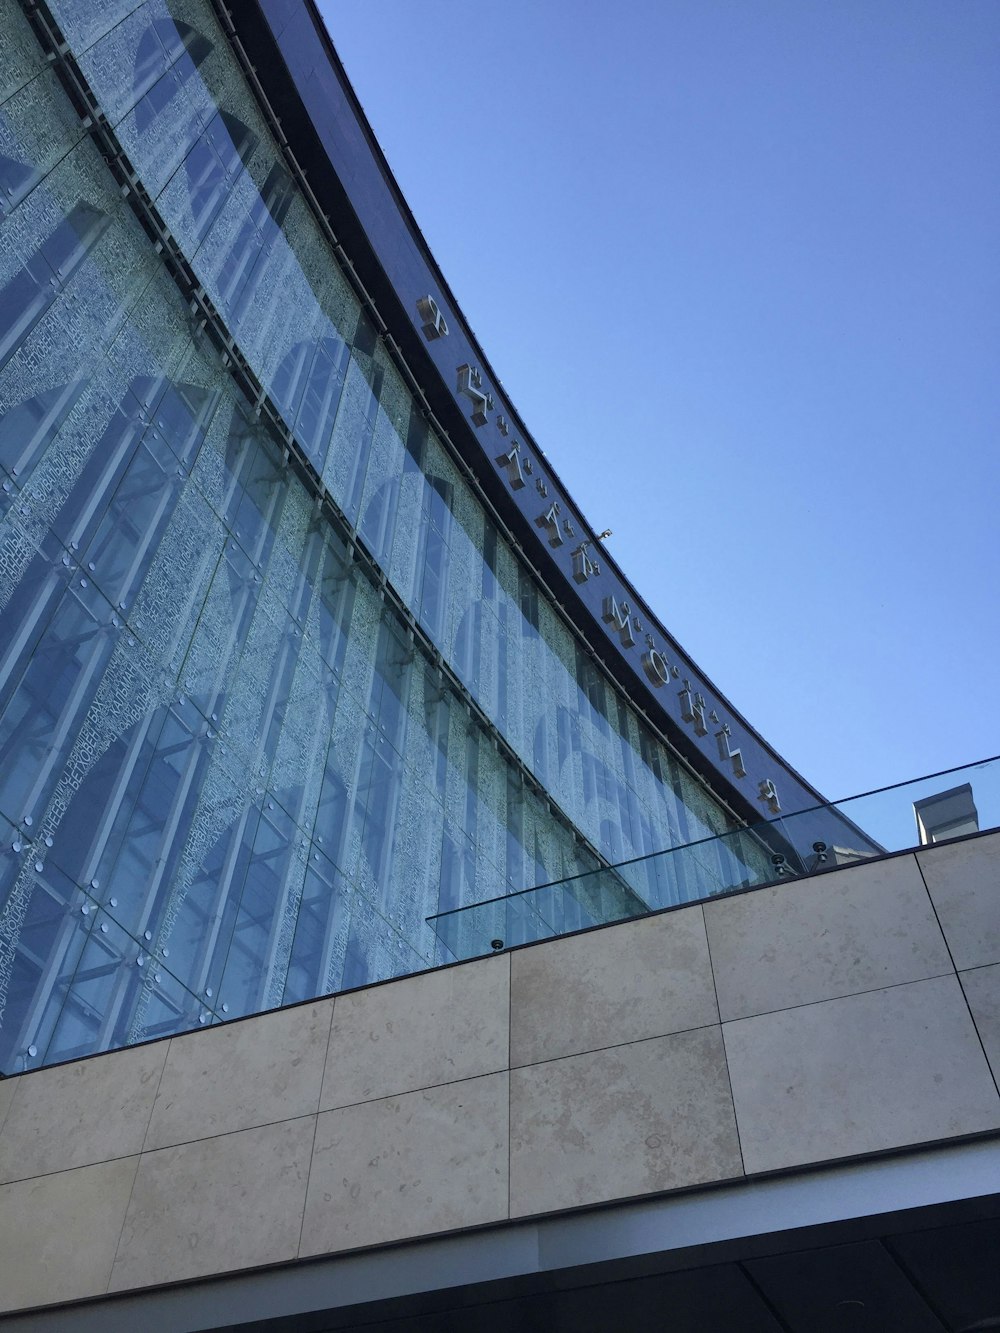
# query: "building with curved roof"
[[329, 726]]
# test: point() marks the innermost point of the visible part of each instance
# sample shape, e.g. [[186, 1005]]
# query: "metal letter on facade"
[[693, 709], [769, 795], [656, 668], [512, 462], [470, 382], [620, 617], [583, 567], [550, 522], [433, 320], [726, 751]]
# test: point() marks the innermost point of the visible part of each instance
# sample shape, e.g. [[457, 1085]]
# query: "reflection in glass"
[[257, 726]]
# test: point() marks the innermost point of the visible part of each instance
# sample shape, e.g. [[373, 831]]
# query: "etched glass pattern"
[[232, 775]]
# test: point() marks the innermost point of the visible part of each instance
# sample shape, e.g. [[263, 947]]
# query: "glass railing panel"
[[912, 814]]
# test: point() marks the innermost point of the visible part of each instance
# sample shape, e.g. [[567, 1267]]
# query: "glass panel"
[[234, 747], [805, 843]]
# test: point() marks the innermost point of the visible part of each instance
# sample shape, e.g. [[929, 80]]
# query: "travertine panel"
[[215, 1205], [58, 1233], [654, 1115], [859, 1074], [76, 1114], [835, 934], [964, 883], [982, 990], [604, 988], [428, 1161], [250, 1073], [418, 1032], [7, 1086]]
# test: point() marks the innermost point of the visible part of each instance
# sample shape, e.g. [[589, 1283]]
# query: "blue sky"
[[737, 262]]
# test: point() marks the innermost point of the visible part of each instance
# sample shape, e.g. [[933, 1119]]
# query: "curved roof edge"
[[324, 127]]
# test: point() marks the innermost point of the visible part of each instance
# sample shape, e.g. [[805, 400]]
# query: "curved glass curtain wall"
[[229, 778]]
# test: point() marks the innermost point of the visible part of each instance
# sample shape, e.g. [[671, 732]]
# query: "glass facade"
[[257, 723]]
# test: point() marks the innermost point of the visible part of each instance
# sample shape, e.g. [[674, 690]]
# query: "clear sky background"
[[737, 263]]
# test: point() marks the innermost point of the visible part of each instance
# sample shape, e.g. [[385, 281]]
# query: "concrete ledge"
[[666, 1231]]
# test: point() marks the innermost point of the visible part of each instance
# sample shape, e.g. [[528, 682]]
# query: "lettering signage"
[[626, 624]]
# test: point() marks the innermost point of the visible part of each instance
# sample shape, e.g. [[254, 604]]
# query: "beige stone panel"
[[857, 929], [426, 1162], [7, 1086], [607, 987], [58, 1233], [982, 991], [433, 1028], [75, 1114], [612, 1124], [964, 883], [216, 1205], [254, 1072], [857, 1075]]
